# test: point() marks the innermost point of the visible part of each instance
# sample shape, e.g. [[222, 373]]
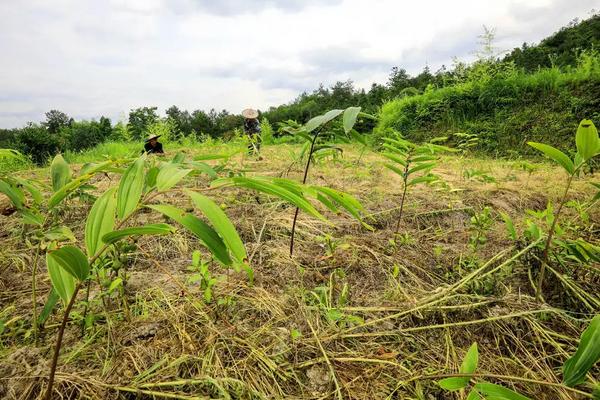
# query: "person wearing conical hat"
[[252, 130], [153, 146]]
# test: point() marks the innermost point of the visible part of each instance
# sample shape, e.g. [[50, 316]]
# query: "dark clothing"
[[251, 126], [148, 148], [252, 130]]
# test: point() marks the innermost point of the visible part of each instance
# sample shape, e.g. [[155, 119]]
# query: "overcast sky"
[[93, 58]]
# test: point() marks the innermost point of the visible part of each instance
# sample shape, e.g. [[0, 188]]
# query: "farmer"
[[252, 130], [153, 146]]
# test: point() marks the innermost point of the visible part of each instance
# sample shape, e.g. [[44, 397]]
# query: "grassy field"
[[354, 314]]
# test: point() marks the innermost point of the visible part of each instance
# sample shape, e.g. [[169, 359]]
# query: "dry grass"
[[422, 301]]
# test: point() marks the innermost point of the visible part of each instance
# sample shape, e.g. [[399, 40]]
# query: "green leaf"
[[60, 234], [473, 395], [100, 221], [265, 186], [422, 179], [587, 139], [149, 229], [203, 167], [491, 391], [320, 120], [67, 189], [32, 217], [72, 260], [587, 354], [313, 123], [130, 189], [208, 236], [169, 175], [420, 167], [36, 194], [510, 226], [151, 176], [222, 224], [395, 169], [62, 281], [349, 203], [329, 115], [48, 307], [358, 137], [395, 158], [349, 118], [469, 364], [556, 155], [455, 383], [60, 172], [14, 194]]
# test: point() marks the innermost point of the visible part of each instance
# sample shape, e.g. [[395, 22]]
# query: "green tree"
[[139, 121], [56, 120]]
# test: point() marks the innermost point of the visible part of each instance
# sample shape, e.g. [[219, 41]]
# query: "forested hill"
[[560, 49]]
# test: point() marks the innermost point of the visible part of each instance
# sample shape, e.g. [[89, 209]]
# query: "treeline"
[[560, 51]]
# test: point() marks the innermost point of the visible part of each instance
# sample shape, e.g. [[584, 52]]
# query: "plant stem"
[[404, 179], [61, 332], [312, 147], [538, 291], [34, 293]]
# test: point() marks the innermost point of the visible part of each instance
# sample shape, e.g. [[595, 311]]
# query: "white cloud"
[[91, 58]]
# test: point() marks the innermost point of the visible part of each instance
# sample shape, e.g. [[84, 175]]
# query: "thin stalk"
[[61, 332], [312, 147], [87, 300], [540, 281], [34, 293], [405, 180]]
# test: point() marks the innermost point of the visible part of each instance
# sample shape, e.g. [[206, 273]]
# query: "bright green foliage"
[[349, 118], [149, 229], [586, 139], [300, 195], [72, 260], [287, 192], [222, 225], [556, 155], [208, 236], [468, 366], [587, 354], [491, 391], [60, 172], [130, 189], [202, 274], [14, 194], [169, 175], [62, 281], [100, 221], [408, 158]]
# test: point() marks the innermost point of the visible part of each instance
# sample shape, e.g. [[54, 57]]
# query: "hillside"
[[503, 106]]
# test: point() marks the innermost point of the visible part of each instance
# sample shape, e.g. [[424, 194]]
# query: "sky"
[[91, 58]]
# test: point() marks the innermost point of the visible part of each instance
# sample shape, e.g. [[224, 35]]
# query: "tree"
[[139, 121], [398, 80], [181, 121], [35, 141], [201, 123], [55, 120]]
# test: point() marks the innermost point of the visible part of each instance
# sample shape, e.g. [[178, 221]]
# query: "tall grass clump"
[[105, 150]]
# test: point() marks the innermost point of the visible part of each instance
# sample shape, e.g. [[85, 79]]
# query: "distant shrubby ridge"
[[535, 92]]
